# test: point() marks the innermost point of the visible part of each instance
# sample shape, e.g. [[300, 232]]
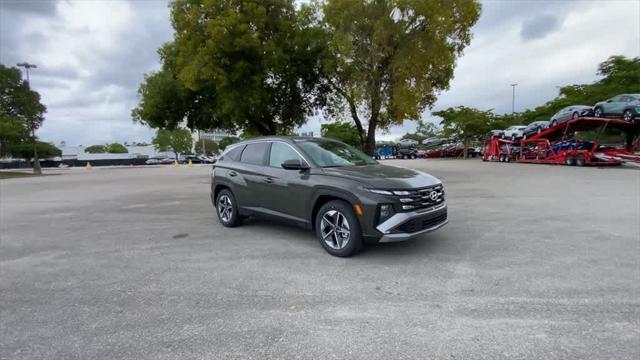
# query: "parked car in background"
[[406, 149], [496, 133], [570, 112], [627, 105], [535, 127], [514, 132]]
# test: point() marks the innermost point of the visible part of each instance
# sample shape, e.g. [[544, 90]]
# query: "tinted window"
[[255, 153], [234, 153], [281, 152]]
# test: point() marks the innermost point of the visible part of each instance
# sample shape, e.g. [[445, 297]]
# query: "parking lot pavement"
[[537, 262]]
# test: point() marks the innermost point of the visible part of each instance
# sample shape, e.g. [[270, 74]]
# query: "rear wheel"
[[570, 160], [539, 130], [575, 115], [338, 229], [627, 115], [413, 156], [580, 160], [554, 123], [227, 209]]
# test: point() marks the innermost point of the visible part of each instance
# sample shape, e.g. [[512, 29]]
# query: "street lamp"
[[513, 98], [36, 162], [26, 67]]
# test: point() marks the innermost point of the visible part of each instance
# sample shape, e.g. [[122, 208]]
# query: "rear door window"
[[255, 154]]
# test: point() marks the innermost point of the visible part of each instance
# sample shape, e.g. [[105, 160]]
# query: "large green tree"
[[257, 63], [21, 114], [389, 58], [179, 141], [342, 131], [467, 123], [206, 147]]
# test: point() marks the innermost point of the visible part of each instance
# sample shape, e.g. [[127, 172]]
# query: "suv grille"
[[423, 198]]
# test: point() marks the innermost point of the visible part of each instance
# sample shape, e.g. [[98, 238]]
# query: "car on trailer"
[[535, 127], [562, 145], [570, 112], [625, 105], [514, 132]]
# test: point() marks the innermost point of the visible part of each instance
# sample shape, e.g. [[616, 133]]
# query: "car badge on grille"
[[433, 195]]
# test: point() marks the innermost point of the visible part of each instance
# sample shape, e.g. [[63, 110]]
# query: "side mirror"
[[295, 164]]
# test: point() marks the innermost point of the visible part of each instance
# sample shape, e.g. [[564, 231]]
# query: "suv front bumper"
[[407, 225]]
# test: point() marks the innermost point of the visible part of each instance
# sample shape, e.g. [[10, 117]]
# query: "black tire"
[[513, 137], [597, 112], [570, 160], [575, 115], [627, 115], [413, 156], [539, 130], [553, 123], [580, 161], [234, 219], [354, 241]]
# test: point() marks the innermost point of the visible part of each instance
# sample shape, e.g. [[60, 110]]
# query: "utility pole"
[[36, 162], [513, 98]]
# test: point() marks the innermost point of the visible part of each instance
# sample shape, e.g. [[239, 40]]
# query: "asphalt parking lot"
[[537, 261]]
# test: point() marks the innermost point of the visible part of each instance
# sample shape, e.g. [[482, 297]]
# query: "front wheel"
[[338, 229], [575, 115], [554, 123], [413, 156], [580, 160], [627, 115]]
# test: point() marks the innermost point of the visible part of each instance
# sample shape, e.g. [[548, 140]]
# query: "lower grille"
[[420, 224]]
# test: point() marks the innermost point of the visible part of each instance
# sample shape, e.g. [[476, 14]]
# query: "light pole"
[[513, 98], [36, 162]]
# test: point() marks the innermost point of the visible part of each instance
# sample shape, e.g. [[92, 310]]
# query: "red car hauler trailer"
[[555, 145]]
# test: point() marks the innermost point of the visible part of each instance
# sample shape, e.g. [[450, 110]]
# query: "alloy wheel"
[[598, 112], [335, 229], [225, 208], [627, 115]]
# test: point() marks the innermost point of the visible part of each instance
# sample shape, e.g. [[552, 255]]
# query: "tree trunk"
[[36, 162]]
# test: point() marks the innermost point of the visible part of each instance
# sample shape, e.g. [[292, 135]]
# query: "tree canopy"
[[226, 141], [467, 123], [206, 147], [424, 130], [235, 65], [95, 149], [21, 114], [178, 141], [25, 150], [342, 131], [388, 59]]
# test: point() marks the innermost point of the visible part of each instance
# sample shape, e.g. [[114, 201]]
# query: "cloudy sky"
[[92, 54]]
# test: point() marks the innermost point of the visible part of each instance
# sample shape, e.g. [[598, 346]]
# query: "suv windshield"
[[328, 153]]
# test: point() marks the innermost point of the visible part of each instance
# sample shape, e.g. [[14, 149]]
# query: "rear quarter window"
[[255, 153], [233, 154]]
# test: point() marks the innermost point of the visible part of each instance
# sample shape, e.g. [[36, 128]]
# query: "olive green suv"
[[328, 186]]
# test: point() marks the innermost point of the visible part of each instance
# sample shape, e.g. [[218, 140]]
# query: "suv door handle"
[[233, 173], [268, 180]]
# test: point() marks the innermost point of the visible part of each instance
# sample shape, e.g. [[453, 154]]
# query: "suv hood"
[[383, 176]]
